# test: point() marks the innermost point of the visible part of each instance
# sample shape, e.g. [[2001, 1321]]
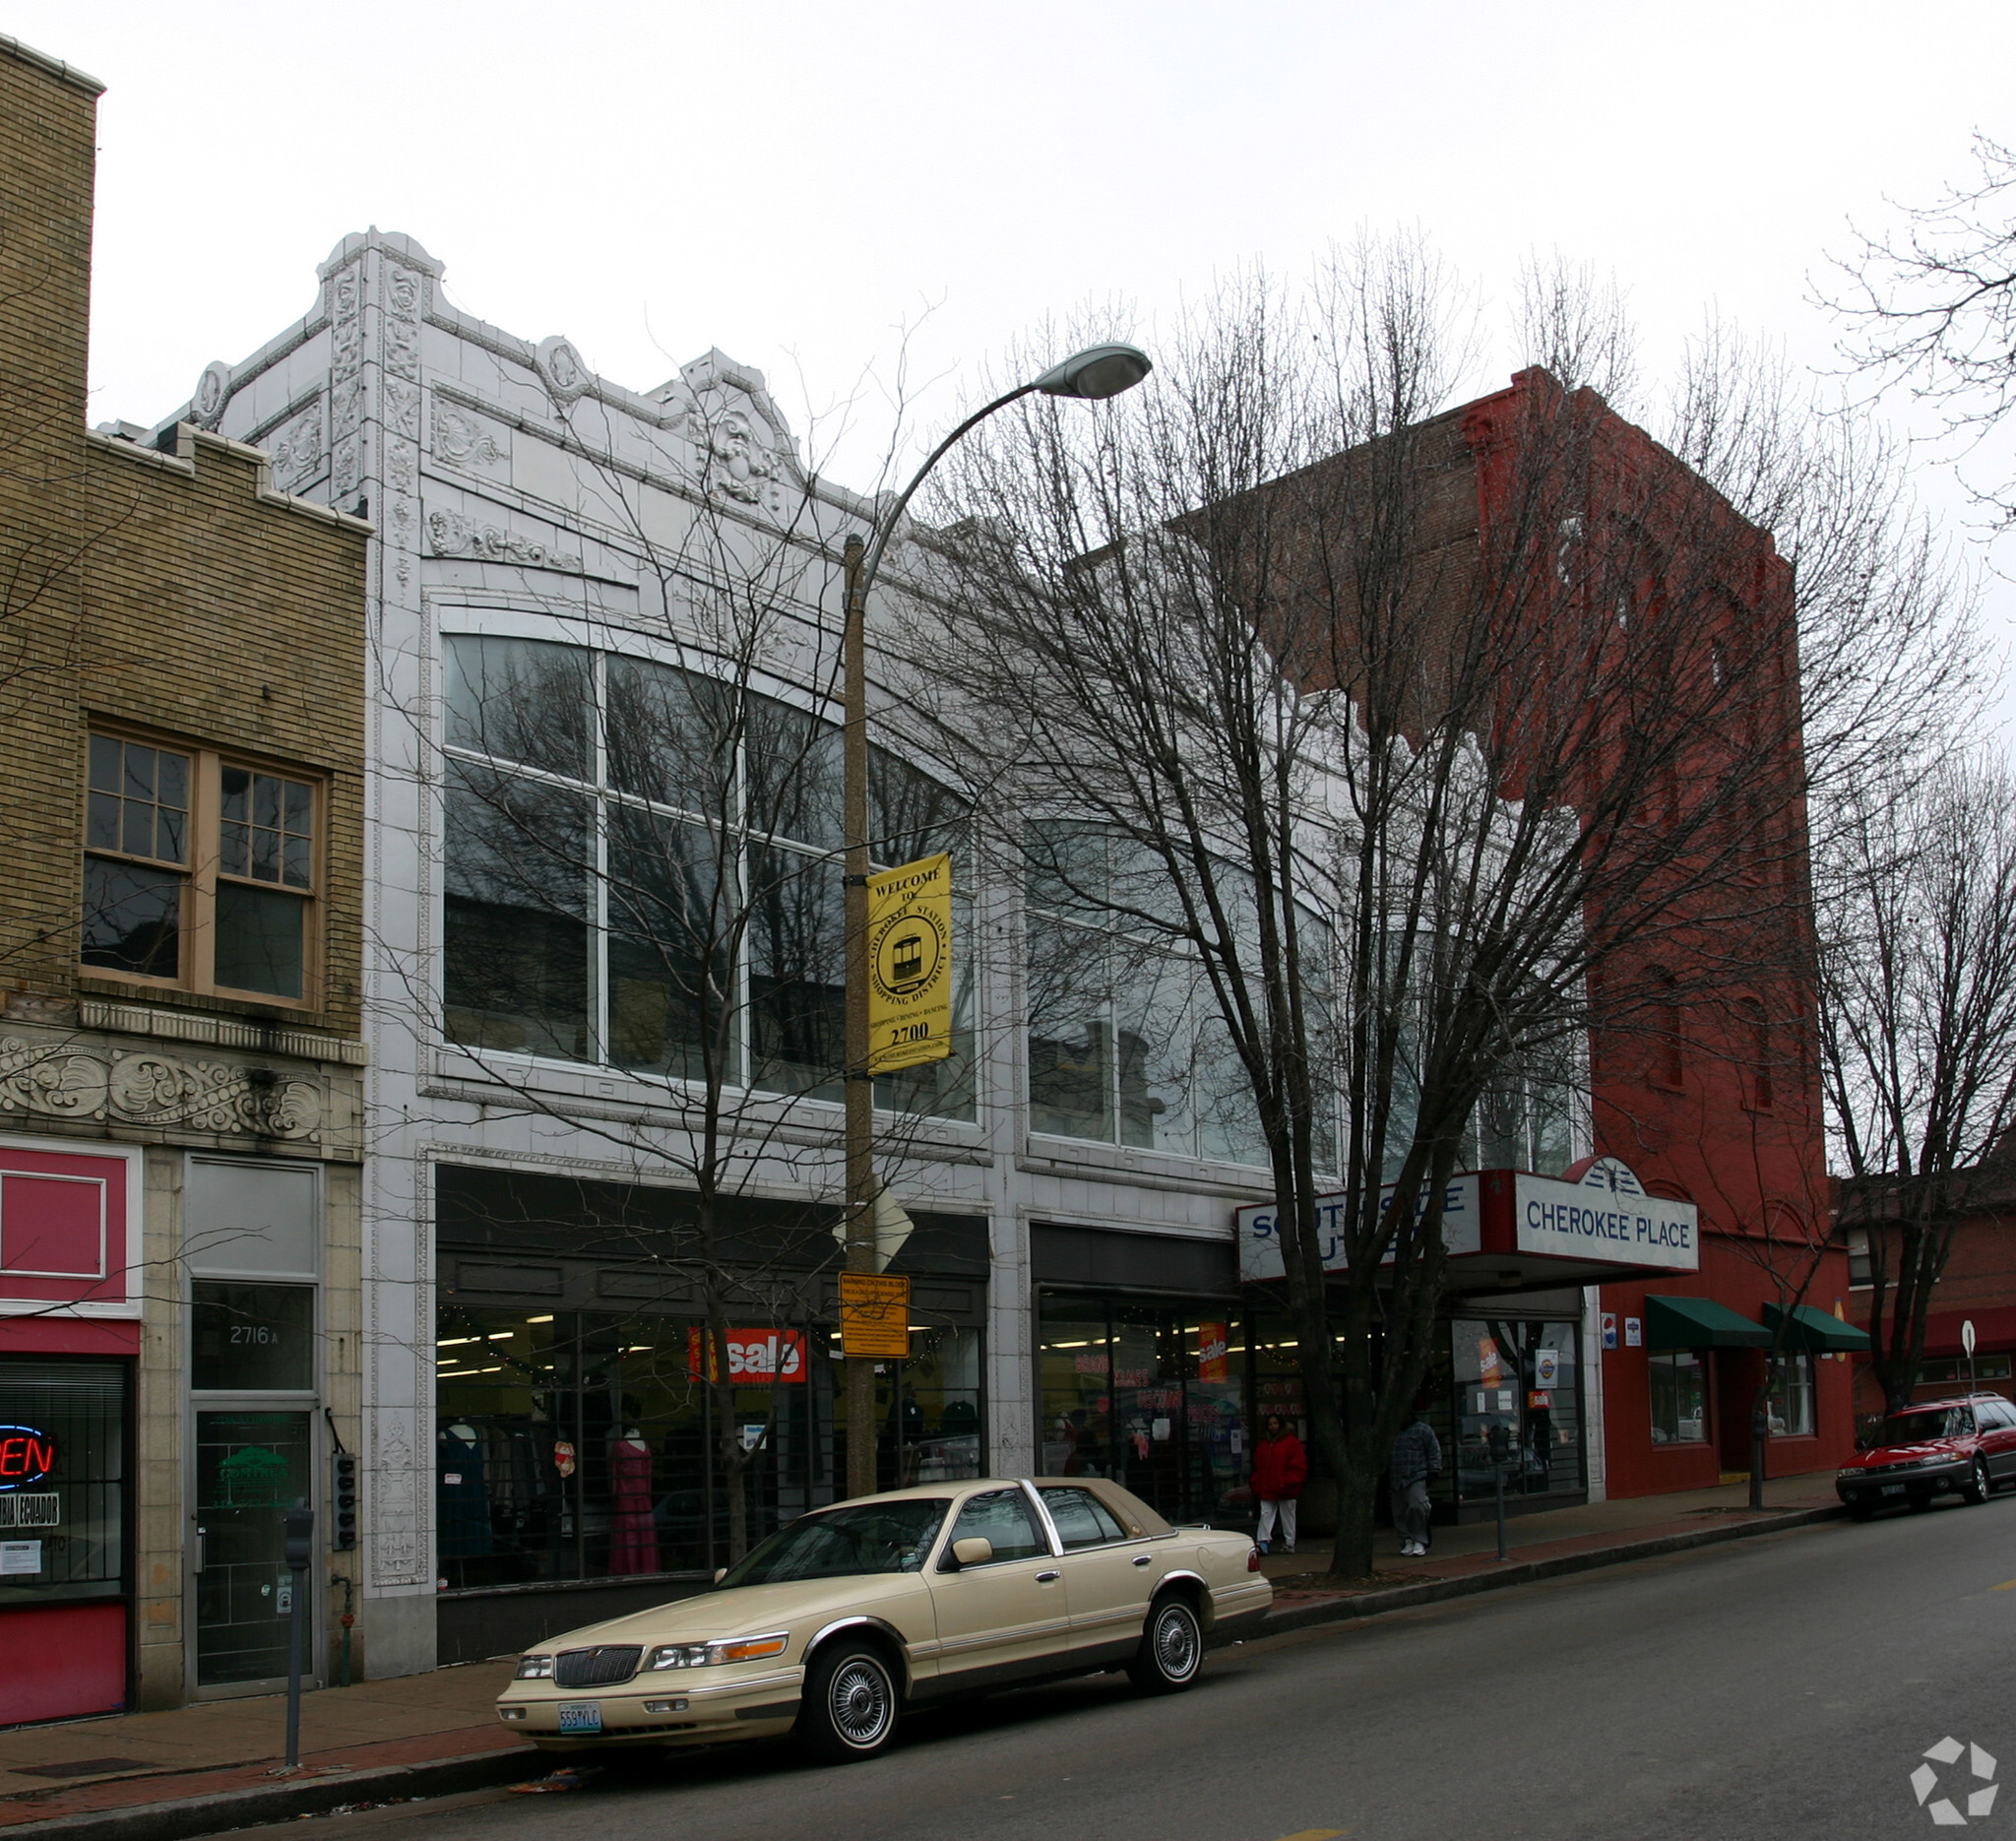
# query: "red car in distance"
[[1967, 1446]]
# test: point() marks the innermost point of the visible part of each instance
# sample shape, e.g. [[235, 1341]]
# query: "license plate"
[[1893, 1489], [581, 1716]]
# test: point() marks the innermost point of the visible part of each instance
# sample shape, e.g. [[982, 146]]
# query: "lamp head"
[[1096, 372]]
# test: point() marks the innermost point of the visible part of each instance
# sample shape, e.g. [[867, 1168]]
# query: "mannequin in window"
[[633, 1534]]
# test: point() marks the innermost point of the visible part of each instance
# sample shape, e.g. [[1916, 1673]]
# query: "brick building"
[[1543, 532], [1977, 1286], [181, 655]]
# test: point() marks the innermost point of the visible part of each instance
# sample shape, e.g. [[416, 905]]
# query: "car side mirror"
[[719, 1574], [975, 1551]]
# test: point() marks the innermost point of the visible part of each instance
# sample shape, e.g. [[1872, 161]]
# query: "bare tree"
[[1918, 896], [1398, 730], [1932, 305]]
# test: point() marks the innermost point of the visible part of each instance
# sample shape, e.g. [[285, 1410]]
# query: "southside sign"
[[1606, 1215]]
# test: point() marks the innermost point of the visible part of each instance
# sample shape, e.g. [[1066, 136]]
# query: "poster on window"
[[756, 1358]]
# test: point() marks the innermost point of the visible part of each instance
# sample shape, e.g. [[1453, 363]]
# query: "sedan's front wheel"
[[1172, 1649], [850, 1704], [1977, 1488]]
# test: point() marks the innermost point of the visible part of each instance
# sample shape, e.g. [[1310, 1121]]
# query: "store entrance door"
[[250, 1465]]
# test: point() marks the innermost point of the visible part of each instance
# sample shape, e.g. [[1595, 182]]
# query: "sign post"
[[1966, 1343], [874, 1316]]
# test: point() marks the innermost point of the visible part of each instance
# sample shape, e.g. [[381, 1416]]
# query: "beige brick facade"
[[169, 594]]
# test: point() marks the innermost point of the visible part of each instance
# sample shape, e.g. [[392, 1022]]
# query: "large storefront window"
[[1679, 1397], [577, 1446], [1524, 1374], [1153, 1396], [62, 1479], [641, 872], [64, 1584]]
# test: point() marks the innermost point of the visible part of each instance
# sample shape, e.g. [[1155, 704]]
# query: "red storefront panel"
[[59, 1662]]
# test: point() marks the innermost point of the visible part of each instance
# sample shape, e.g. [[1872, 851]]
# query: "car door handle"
[[1047, 1578], [1144, 1560]]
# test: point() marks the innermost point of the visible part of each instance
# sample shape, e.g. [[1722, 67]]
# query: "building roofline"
[[182, 461], [55, 66]]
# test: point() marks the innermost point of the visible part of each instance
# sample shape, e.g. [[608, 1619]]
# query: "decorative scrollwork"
[[157, 1090], [450, 534]]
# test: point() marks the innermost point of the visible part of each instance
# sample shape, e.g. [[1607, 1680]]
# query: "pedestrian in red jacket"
[[1280, 1468]]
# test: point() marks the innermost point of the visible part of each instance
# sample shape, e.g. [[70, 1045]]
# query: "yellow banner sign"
[[874, 1315], [909, 965]]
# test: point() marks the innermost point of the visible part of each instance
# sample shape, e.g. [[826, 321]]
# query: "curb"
[[1347, 1610], [282, 1800]]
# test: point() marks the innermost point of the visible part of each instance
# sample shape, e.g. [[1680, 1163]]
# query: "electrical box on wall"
[[342, 1500]]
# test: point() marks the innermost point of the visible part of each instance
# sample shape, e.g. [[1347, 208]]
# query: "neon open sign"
[[27, 1456]]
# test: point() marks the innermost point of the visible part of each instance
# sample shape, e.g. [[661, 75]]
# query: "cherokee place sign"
[[1603, 1217]]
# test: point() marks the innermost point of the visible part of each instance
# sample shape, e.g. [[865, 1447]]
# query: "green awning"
[[1813, 1330], [1699, 1324]]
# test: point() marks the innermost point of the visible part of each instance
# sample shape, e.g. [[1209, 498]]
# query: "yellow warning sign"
[[909, 965], [874, 1315]]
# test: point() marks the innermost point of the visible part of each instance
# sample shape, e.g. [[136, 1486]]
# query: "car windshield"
[[865, 1537], [1928, 1422]]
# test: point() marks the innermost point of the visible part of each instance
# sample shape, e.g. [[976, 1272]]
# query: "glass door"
[[250, 1465]]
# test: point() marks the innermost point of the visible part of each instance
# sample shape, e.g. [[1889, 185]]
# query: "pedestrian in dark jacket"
[[1416, 1459], [1279, 1469]]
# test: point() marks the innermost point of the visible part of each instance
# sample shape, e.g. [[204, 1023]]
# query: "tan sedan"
[[847, 1616]]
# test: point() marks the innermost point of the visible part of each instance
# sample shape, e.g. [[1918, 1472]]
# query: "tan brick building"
[[182, 679]]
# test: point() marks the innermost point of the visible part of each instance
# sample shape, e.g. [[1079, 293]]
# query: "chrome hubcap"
[[860, 1702], [1175, 1643]]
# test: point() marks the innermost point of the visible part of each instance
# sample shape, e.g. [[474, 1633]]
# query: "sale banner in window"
[[909, 965], [756, 1358]]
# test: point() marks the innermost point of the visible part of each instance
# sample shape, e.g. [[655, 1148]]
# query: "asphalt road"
[[1784, 1686]]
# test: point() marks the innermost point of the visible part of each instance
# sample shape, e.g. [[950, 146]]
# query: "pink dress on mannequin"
[[633, 1534]]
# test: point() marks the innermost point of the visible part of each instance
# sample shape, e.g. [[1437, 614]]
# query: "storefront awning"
[[1699, 1324], [1814, 1331]]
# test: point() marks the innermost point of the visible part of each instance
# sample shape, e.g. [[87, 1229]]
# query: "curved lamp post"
[[1093, 375]]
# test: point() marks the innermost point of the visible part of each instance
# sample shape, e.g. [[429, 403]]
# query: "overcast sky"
[[796, 183]]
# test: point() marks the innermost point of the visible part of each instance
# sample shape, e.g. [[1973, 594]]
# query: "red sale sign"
[[756, 1358]]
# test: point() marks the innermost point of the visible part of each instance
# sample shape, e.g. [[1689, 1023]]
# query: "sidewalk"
[[206, 1768], [1558, 1534], [216, 1764]]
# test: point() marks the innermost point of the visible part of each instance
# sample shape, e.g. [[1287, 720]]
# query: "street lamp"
[[1090, 375]]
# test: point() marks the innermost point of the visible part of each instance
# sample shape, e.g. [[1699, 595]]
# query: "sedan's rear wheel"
[[850, 1704], [1172, 1649], [1977, 1488]]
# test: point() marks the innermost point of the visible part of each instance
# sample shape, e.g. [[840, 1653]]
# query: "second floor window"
[[200, 872], [643, 871]]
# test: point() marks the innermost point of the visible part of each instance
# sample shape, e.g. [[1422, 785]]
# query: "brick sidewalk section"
[[214, 1766]]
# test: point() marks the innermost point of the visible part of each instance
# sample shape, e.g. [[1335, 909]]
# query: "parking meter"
[[1500, 1437], [297, 1543]]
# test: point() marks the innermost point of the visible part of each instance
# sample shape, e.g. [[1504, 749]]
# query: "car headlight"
[[535, 1669], [1850, 1475], [677, 1656], [703, 1655]]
